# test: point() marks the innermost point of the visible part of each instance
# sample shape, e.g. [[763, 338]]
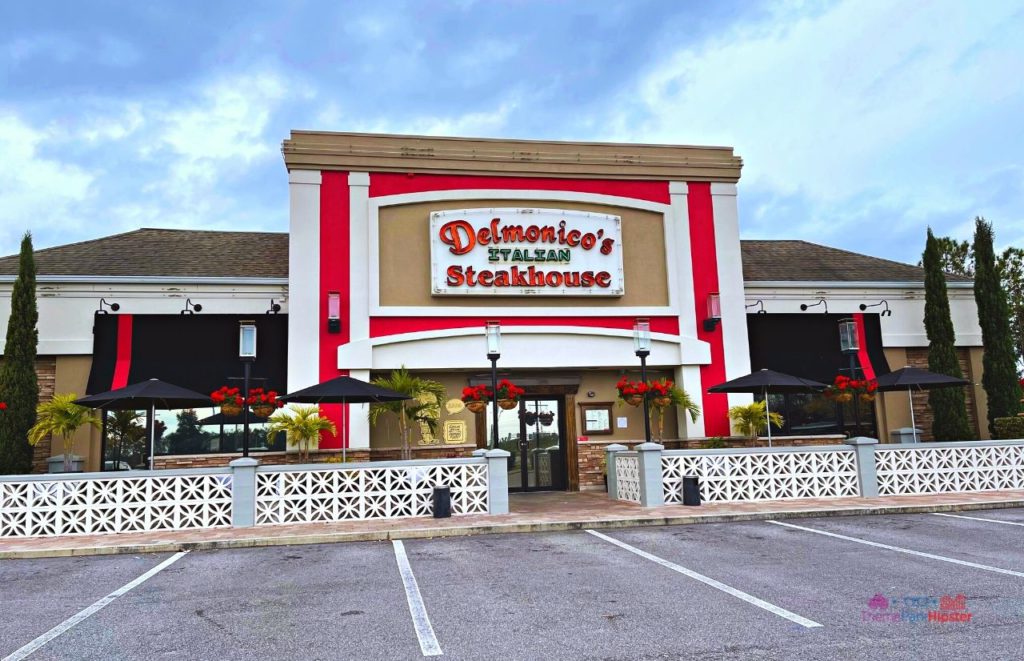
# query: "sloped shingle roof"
[[199, 253]]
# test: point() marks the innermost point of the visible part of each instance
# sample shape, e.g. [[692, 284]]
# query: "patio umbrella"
[[344, 390], [913, 378], [763, 381], [150, 395]]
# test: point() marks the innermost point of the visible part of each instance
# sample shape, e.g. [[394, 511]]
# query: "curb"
[[498, 529]]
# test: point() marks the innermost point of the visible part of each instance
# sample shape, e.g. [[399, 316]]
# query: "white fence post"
[[652, 490], [243, 492], [609, 465], [497, 481], [867, 472]]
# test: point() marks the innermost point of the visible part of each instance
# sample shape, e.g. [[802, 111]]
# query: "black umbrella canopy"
[[919, 379], [343, 390], [146, 394], [767, 380]]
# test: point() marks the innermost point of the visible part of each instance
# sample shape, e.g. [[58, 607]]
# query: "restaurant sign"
[[546, 252]]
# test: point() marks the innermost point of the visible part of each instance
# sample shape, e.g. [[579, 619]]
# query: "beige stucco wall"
[[404, 233], [72, 376]]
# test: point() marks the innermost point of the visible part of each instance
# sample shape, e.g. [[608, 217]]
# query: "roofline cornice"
[[865, 284], [151, 280]]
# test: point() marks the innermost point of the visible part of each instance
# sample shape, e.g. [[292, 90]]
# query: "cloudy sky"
[[860, 123]]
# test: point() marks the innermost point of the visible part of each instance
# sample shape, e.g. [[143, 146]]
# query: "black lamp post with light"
[[493, 332], [849, 345], [642, 347], [246, 354]]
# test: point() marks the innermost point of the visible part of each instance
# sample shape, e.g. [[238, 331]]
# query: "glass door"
[[534, 435]]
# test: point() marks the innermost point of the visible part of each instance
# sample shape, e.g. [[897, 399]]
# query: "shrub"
[[1009, 428]]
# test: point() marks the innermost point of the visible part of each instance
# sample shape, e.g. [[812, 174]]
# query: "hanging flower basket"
[[230, 410], [263, 410], [509, 394], [843, 397], [263, 403], [546, 418], [843, 389], [476, 398], [867, 397], [228, 399], [661, 401], [633, 400], [476, 406], [631, 392]]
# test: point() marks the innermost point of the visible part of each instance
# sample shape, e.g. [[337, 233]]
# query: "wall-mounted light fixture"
[[821, 301], [274, 307], [191, 308], [113, 306], [884, 313], [333, 312], [755, 304], [714, 312]]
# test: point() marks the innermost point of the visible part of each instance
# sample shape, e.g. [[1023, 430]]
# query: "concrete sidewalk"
[[551, 511]]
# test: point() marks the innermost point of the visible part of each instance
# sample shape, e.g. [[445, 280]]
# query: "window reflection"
[[812, 414]]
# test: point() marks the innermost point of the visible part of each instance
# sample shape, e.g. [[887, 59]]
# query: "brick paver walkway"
[[530, 513]]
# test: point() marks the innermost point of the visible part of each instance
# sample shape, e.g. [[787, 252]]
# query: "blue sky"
[[860, 123]]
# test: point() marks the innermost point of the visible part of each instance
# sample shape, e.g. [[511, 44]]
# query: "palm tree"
[[425, 405], [751, 419], [301, 425], [126, 437], [61, 417]]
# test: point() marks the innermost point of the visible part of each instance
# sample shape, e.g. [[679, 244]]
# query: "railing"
[[627, 476], [137, 501], [762, 474], [948, 467], [378, 490]]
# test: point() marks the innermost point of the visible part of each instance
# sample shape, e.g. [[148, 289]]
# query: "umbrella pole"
[[768, 416], [152, 433], [913, 425], [344, 432]]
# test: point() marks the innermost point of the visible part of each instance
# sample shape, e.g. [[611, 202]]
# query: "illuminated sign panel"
[[525, 252]]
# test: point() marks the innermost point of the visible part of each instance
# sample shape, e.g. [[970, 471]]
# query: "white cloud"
[[893, 106]]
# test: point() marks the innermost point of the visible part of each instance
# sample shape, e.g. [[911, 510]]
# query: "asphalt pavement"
[[871, 587]]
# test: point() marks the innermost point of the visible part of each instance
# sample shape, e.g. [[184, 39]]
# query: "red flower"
[[3, 406]]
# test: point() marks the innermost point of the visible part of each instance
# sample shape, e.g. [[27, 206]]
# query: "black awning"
[[807, 344], [198, 351]]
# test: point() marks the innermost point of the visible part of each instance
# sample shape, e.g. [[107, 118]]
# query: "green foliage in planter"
[[19, 386], [716, 442], [948, 405], [1010, 428], [999, 377], [751, 420]]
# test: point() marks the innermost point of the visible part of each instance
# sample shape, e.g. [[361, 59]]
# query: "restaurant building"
[[400, 249]]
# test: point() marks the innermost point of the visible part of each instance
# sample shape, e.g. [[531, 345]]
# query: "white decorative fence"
[[762, 474], [380, 490], [949, 467], [627, 477], [111, 503]]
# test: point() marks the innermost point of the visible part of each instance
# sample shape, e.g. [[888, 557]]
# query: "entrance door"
[[540, 460]]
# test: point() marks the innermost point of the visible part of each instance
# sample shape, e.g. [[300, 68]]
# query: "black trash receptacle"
[[691, 490], [442, 502]]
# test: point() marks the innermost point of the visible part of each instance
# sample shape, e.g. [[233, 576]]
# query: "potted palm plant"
[[751, 419], [62, 417], [424, 406], [302, 425]]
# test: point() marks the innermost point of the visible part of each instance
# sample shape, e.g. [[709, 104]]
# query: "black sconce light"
[[274, 307], [191, 308], [113, 306], [884, 313], [821, 301], [756, 303], [333, 312], [714, 313]]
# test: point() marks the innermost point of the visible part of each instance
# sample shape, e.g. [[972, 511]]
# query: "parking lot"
[[845, 587]]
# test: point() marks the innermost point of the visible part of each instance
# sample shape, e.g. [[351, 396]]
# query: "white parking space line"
[[899, 549], [72, 621], [739, 594], [978, 518], [420, 620]]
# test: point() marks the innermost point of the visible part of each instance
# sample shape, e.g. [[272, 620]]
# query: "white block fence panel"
[[950, 467]]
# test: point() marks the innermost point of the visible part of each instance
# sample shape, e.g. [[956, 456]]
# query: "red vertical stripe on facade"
[[123, 359], [862, 352], [334, 276], [705, 281]]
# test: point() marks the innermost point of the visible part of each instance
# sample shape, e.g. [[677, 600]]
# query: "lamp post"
[[247, 354], [642, 347], [493, 332], [849, 345]]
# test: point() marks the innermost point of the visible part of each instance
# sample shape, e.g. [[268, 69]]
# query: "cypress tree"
[[949, 409], [19, 386], [1000, 361]]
